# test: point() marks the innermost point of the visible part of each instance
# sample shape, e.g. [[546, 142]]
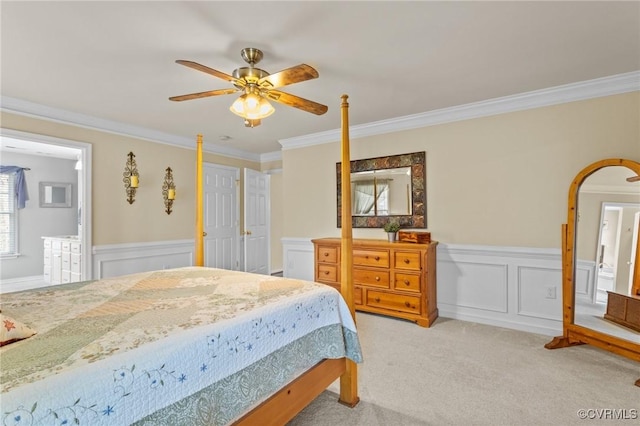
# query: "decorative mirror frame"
[[574, 334], [67, 194], [417, 162]]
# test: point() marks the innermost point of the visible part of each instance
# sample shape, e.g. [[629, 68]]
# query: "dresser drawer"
[[66, 246], [396, 302], [378, 258], [408, 260], [334, 285], [66, 261], [327, 273], [76, 248], [327, 254], [406, 282], [75, 263], [371, 277]]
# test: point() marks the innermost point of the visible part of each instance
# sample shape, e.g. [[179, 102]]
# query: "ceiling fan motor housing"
[[249, 74]]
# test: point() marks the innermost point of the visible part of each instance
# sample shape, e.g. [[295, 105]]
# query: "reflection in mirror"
[[605, 245], [55, 194], [384, 189], [381, 192]]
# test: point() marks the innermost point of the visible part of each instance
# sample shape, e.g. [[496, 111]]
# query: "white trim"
[[605, 86], [43, 112], [610, 189], [599, 87], [271, 156]]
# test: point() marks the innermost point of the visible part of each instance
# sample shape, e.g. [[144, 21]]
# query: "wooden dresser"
[[396, 279]]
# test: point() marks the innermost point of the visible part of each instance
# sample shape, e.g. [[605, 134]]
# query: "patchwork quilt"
[[182, 346]]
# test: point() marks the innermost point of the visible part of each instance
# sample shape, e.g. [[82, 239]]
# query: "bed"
[[193, 346], [228, 348]]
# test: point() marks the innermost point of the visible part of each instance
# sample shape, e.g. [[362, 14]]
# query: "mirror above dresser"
[[383, 189]]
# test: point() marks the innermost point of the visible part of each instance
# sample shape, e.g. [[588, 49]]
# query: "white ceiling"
[[116, 60]]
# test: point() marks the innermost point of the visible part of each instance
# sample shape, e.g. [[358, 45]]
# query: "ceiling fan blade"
[[291, 75], [203, 94], [211, 71], [297, 102]]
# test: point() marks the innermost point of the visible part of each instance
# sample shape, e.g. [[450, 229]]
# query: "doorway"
[[80, 153], [618, 237], [224, 247]]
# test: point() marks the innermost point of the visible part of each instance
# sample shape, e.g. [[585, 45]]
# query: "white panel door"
[[257, 258], [221, 216]]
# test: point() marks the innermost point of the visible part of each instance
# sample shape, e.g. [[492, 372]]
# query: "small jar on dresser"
[[62, 259], [390, 278]]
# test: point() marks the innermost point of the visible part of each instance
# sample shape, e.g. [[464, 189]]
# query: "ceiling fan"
[[258, 87]]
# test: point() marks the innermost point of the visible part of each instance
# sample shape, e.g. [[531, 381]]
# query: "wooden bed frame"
[[292, 398]]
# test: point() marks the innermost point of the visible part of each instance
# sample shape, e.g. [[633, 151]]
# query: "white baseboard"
[[22, 283], [511, 287]]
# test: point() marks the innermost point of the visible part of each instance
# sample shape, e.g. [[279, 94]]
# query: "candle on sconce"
[[134, 181], [171, 195]]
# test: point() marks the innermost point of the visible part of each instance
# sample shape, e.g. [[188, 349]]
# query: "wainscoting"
[[122, 259], [512, 287]]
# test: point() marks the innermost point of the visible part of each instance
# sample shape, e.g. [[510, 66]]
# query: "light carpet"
[[462, 373]]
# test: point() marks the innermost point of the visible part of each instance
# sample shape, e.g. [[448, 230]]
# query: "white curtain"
[[365, 197]]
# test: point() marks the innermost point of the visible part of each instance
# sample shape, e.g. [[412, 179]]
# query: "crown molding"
[[605, 86], [270, 156], [599, 87], [43, 112]]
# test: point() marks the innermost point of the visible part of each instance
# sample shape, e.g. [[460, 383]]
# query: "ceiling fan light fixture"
[[252, 107], [251, 123]]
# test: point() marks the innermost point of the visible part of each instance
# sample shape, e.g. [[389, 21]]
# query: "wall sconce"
[[131, 178], [168, 190]]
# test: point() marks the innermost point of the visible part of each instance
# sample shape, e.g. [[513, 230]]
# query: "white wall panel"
[[474, 285]]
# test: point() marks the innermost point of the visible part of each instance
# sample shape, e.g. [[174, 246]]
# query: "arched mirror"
[[601, 259]]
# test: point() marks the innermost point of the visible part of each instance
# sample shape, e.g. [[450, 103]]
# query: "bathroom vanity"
[[62, 259]]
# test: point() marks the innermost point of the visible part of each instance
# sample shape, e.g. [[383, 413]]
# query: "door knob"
[[204, 234]]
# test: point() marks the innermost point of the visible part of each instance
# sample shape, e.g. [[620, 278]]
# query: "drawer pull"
[[407, 261], [377, 258], [407, 304], [326, 272], [377, 278], [406, 282], [377, 300], [326, 254]]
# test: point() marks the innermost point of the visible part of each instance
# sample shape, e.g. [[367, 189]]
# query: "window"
[[8, 215], [370, 197]]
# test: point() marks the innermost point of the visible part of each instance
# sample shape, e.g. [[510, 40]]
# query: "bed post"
[[199, 213], [349, 380]]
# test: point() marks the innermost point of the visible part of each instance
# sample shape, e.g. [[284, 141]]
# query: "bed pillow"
[[12, 330]]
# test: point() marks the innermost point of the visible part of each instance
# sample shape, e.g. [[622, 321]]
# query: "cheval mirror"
[[601, 260]]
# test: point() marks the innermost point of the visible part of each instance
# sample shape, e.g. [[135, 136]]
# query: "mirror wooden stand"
[[578, 334]]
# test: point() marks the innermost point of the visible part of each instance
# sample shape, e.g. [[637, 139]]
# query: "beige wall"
[[115, 221], [499, 180], [277, 228]]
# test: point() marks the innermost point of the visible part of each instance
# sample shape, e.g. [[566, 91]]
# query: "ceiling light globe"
[[252, 107]]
